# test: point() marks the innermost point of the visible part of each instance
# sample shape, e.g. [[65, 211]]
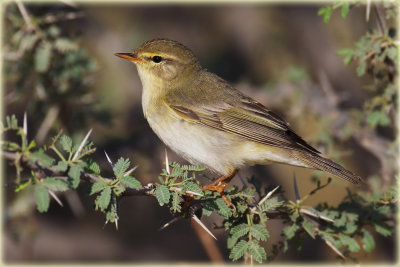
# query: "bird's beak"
[[128, 56]]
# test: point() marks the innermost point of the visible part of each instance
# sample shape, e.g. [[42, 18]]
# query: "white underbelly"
[[211, 148]]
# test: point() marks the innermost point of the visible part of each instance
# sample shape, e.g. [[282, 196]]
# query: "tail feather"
[[327, 165]]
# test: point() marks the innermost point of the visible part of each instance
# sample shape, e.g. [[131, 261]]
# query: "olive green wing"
[[246, 118]]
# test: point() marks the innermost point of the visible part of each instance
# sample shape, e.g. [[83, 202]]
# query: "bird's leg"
[[219, 186]]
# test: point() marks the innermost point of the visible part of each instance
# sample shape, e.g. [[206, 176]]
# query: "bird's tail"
[[317, 162]]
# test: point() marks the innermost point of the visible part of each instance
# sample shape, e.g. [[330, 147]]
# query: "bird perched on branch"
[[207, 121]]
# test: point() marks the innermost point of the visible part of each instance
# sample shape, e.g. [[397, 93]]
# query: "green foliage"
[[54, 184], [103, 199], [51, 63], [326, 11], [42, 198], [131, 182], [346, 228], [162, 194], [121, 167]]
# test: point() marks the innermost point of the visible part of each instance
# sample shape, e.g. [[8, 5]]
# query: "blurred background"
[[284, 56]]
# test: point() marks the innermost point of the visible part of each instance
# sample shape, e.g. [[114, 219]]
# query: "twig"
[[25, 15]]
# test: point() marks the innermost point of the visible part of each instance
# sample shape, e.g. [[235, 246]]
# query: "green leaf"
[[43, 57], [66, 143], [23, 185], [74, 175], [223, 209], [345, 9], [55, 184], [378, 118], [176, 203], [103, 200], [351, 227], [383, 229], [238, 250], [61, 166], [347, 54], [290, 230], [121, 167], [237, 232], [362, 68], [307, 226], [191, 186], [131, 182], [326, 12], [349, 242], [162, 194], [271, 203], [259, 232], [94, 167], [367, 241], [65, 45], [176, 171], [97, 187], [257, 252], [196, 168], [42, 158], [42, 198]]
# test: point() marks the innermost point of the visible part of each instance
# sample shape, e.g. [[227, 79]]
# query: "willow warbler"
[[205, 120]]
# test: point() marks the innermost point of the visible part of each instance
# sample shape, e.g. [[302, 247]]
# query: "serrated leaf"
[[43, 57], [121, 167], [55, 184], [103, 200], [349, 242], [191, 186], [238, 250], [176, 204], [271, 203], [131, 182], [307, 226], [383, 229], [97, 187], [66, 143], [223, 209], [259, 232], [94, 167], [192, 168], [368, 241], [257, 252], [42, 198], [74, 175], [42, 158], [290, 230], [237, 232], [176, 171], [61, 166], [162, 194]]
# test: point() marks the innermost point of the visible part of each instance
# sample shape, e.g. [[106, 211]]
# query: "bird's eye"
[[157, 59]]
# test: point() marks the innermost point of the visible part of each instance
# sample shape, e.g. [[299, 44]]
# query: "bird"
[[207, 121]]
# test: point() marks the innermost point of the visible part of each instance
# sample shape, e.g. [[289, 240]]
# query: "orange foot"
[[219, 186]]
